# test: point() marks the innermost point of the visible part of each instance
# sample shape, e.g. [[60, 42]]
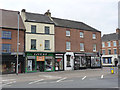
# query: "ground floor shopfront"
[[9, 64], [110, 60], [44, 62], [86, 60]]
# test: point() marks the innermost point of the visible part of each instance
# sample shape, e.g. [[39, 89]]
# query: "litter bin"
[[112, 70]]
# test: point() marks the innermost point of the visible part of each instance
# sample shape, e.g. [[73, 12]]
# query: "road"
[[87, 78]]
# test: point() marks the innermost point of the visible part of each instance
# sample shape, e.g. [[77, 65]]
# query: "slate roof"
[[110, 37], [9, 19], [73, 24], [40, 18]]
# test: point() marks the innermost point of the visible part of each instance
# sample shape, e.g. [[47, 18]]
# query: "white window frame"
[[67, 33], [94, 47], [94, 36], [115, 43], [103, 44], [108, 44], [82, 47], [68, 45], [102, 51], [81, 35], [114, 49], [119, 42]]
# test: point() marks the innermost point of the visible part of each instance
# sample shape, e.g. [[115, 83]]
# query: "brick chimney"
[[117, 31], [48, 13]]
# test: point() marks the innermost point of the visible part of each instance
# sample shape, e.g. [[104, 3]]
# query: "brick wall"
[[13, 40], [61, 38]]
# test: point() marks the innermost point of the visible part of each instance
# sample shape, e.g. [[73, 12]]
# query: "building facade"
[[9, 35], [111, 48], [39, 42]]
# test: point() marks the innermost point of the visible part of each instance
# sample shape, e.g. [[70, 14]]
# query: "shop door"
[[41, 66], [88, 61], [77, 63], [59, 64]]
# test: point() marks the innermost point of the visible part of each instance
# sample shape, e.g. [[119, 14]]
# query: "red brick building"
[[111, 48], [9, 34]]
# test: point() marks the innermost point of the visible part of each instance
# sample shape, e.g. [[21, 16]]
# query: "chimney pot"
[[48, 13], [23, 10]]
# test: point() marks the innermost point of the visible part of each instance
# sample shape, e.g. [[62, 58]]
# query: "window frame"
[[114, 50], [108, 52], [114, 42], [8, 48], [47, 28], [109, 44], [48, 43], [82, 47], [34, 28], [103, 44], [68, 45], [104, 52], [93, 37], [81, 35], [68, 35], [5, 35], [35, 44], [95, 47]]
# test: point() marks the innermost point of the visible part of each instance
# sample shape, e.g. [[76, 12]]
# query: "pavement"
[[86, 78]]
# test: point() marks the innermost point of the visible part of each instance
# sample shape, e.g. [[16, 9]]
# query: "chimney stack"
[[117, 31], [23, 10], [48, 13]]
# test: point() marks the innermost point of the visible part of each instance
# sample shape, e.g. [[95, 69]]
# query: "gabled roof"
[[72, 24], [9, 19], [110, 37], [40, 18]]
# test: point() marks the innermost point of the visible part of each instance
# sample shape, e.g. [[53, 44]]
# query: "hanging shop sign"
[[40, 58]]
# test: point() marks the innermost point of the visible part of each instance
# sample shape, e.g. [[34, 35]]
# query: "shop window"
[[109, 60], [6, 48], [47, 30], [67, 33], [103, 60], [68, 61], [6, 35], [31, 65], [49, 63], [81, 34], [47, 44], [33, 44], [33, 28], [68, 46]]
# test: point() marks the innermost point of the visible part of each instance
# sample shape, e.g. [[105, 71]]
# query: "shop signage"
[[59, 60], [48, 57], [31, 57], [39, 54], [40, 58], [79, 54], [59, 54], [58, 57]]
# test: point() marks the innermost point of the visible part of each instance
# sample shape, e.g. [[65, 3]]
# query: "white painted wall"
[[71, 61]]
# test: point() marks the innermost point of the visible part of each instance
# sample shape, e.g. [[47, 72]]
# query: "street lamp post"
[[17, 46]]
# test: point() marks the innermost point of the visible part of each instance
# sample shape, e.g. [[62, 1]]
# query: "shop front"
[[9, 64], [39, 61], [79, 61], [59, 61]]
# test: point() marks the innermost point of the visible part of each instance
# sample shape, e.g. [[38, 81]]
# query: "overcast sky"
[[100, 14]]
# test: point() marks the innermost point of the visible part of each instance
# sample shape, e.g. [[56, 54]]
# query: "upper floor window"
[[81, 46], [6, 48], [67, 33], [6, 35], [114, 43], [33, 44], [68, 46], [47, 30], [94, 36], [109, 44], [94, 47], [119, 42], [33, 28], [103, 44], [115, 51], [109, 51], [47, 44], [103, 52], [81, 34]]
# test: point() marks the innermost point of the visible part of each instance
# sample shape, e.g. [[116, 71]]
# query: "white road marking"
[[36, 81], [102, 76], [83, 77], [61, 79], [8, 80], [8, 83]]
